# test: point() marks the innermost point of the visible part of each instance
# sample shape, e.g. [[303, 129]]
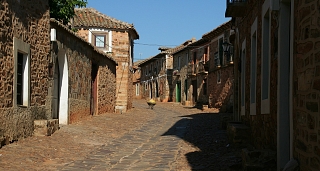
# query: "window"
[[179, 62], [146, 85], [205, 54], [137, 89], [253, 68], [187, 58], [219, 76], [216, 60], [220, 52], [100, 41], [101, 38], [22, 73]]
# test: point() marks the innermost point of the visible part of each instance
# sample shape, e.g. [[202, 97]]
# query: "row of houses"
[[276, 67], [60, 74], [195, 73], [263, 65]]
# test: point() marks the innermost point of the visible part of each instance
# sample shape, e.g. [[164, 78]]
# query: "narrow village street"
[[170, 137]]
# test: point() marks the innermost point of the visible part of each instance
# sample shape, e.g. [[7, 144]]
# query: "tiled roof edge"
[[71, 32]]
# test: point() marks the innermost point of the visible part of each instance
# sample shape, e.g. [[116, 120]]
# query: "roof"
[[90, 17], [52, 20], [166, 50], [217, 31]]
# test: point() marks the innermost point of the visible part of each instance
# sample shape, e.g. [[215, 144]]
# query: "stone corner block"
[[45, 127]]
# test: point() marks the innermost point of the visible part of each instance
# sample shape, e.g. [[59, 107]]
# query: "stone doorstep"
[[264, 159], [45, 127], [238, 133]]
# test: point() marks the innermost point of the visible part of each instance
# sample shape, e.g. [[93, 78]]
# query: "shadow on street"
[[203, 131]]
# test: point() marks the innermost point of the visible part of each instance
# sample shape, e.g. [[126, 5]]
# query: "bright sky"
[[164, 22]]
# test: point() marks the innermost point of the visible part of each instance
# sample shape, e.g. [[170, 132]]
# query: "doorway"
[[94, 89], [194, 91], [178, 92], [61, 89]]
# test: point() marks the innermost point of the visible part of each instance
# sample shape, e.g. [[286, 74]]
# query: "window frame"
[[253, 67], [265, 58], [93, 32], [21, 48]]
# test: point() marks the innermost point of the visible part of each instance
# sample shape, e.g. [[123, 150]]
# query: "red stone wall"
[[263, 126], [306, 76], [30, 24], [81, 56]]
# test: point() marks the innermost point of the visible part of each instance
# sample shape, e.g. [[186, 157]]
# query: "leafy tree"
[[63, 10]]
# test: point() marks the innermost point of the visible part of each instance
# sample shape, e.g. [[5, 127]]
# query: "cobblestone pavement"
[[141, 139]]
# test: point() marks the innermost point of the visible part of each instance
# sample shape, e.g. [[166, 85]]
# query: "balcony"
[[191, 70], [202, 68], [236, 8]]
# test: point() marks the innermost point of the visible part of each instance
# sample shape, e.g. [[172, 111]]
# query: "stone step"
[[45, 127], [239, 134], [263, 160]]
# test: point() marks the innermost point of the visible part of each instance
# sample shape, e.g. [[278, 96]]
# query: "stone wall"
[[306, 77], [220, 93], [183, 74], [106, 86], [30, 24], [121, 53], [263, 126], [81, 57]]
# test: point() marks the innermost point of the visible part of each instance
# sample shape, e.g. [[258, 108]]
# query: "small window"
[[137, 89], [146, 86], [100, 41], [219, 76], [221, 52]]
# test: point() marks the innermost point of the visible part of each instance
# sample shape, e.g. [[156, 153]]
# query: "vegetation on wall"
[[63, 10]]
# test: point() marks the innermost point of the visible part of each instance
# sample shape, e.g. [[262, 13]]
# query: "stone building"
[[203, 71], [277, 76], [116, 38], [218, 55], [181, 79], [24, 63], [83, 78], [153, 78], [137, 93], [157, 75]]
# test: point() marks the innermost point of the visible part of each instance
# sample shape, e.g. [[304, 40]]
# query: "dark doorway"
[[194, 91], [178, 92], [94, 89]]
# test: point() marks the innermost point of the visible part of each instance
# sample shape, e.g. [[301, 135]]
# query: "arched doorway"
[[61, 91]]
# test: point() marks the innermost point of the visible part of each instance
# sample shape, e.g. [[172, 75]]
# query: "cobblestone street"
[[170, 137]]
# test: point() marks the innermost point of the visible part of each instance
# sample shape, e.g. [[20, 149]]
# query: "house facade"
[[277, 78], [115, 38], [220, 79], [82, 78], [137, 91], [24, 53], [153, 82], [157, 75]]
